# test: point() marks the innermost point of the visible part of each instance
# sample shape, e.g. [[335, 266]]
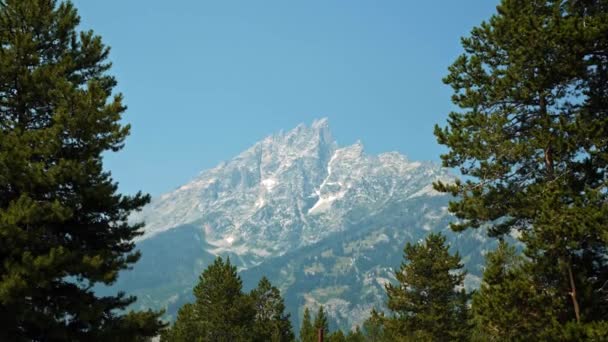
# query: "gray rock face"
[[288, 191], [325, 223]]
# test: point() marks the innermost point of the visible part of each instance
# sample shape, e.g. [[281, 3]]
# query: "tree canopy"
[[223, 312], [63, 224], [307, 332], [271, 322], [427, 303], [530, 140]]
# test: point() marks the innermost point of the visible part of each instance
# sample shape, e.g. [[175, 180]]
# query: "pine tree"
[[221, 311], [63, 225], [336, 336], [507, 290], [462, 326], [307, 333], [321, 322], [271, 321], [188, 326], [374, 329], [426, 303], [355, 335], [530, 137], [228, 312]]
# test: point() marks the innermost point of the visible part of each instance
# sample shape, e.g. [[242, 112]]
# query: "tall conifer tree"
[[63, 225], [188, 326], [271, 321], [221, 311], [374, 328], [321, 323], [336, 336], [530, 137], [306, 329], [426, 302], [355, 335], [507, 290]]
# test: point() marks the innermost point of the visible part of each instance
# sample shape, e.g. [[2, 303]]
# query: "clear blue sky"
[[206, 79]]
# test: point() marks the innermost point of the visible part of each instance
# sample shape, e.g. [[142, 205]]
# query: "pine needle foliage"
[[223, 312], [530, 139], [426, 301], [63, 224]]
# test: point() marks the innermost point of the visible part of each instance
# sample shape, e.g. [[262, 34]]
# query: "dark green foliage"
[[138, 326], [188, 325], [426, 304], [271, 321], [221, 312], [507, 290], [63, 226], [321, 322], [374, 329], [339, 336], [227, 313], [355, 335], [307, 331], [593, 331], [336, 336], [461, 316], [530, 137]]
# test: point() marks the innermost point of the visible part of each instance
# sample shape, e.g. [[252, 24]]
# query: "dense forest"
[[529, 137]]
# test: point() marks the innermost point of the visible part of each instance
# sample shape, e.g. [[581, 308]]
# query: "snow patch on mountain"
[[269, 183], [324, 203]]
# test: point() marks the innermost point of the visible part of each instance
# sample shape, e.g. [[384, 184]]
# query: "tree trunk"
[[577, 311]]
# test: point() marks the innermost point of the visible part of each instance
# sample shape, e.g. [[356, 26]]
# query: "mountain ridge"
[[305, 161], [325, 223]]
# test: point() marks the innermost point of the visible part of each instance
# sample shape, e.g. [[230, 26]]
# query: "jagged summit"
[[288, 190], [323, 222]]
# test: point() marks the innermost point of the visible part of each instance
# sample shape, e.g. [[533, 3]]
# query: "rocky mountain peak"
[[325, 223], [288, 190]]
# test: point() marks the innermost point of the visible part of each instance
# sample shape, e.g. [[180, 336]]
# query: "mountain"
[[326, 224]]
